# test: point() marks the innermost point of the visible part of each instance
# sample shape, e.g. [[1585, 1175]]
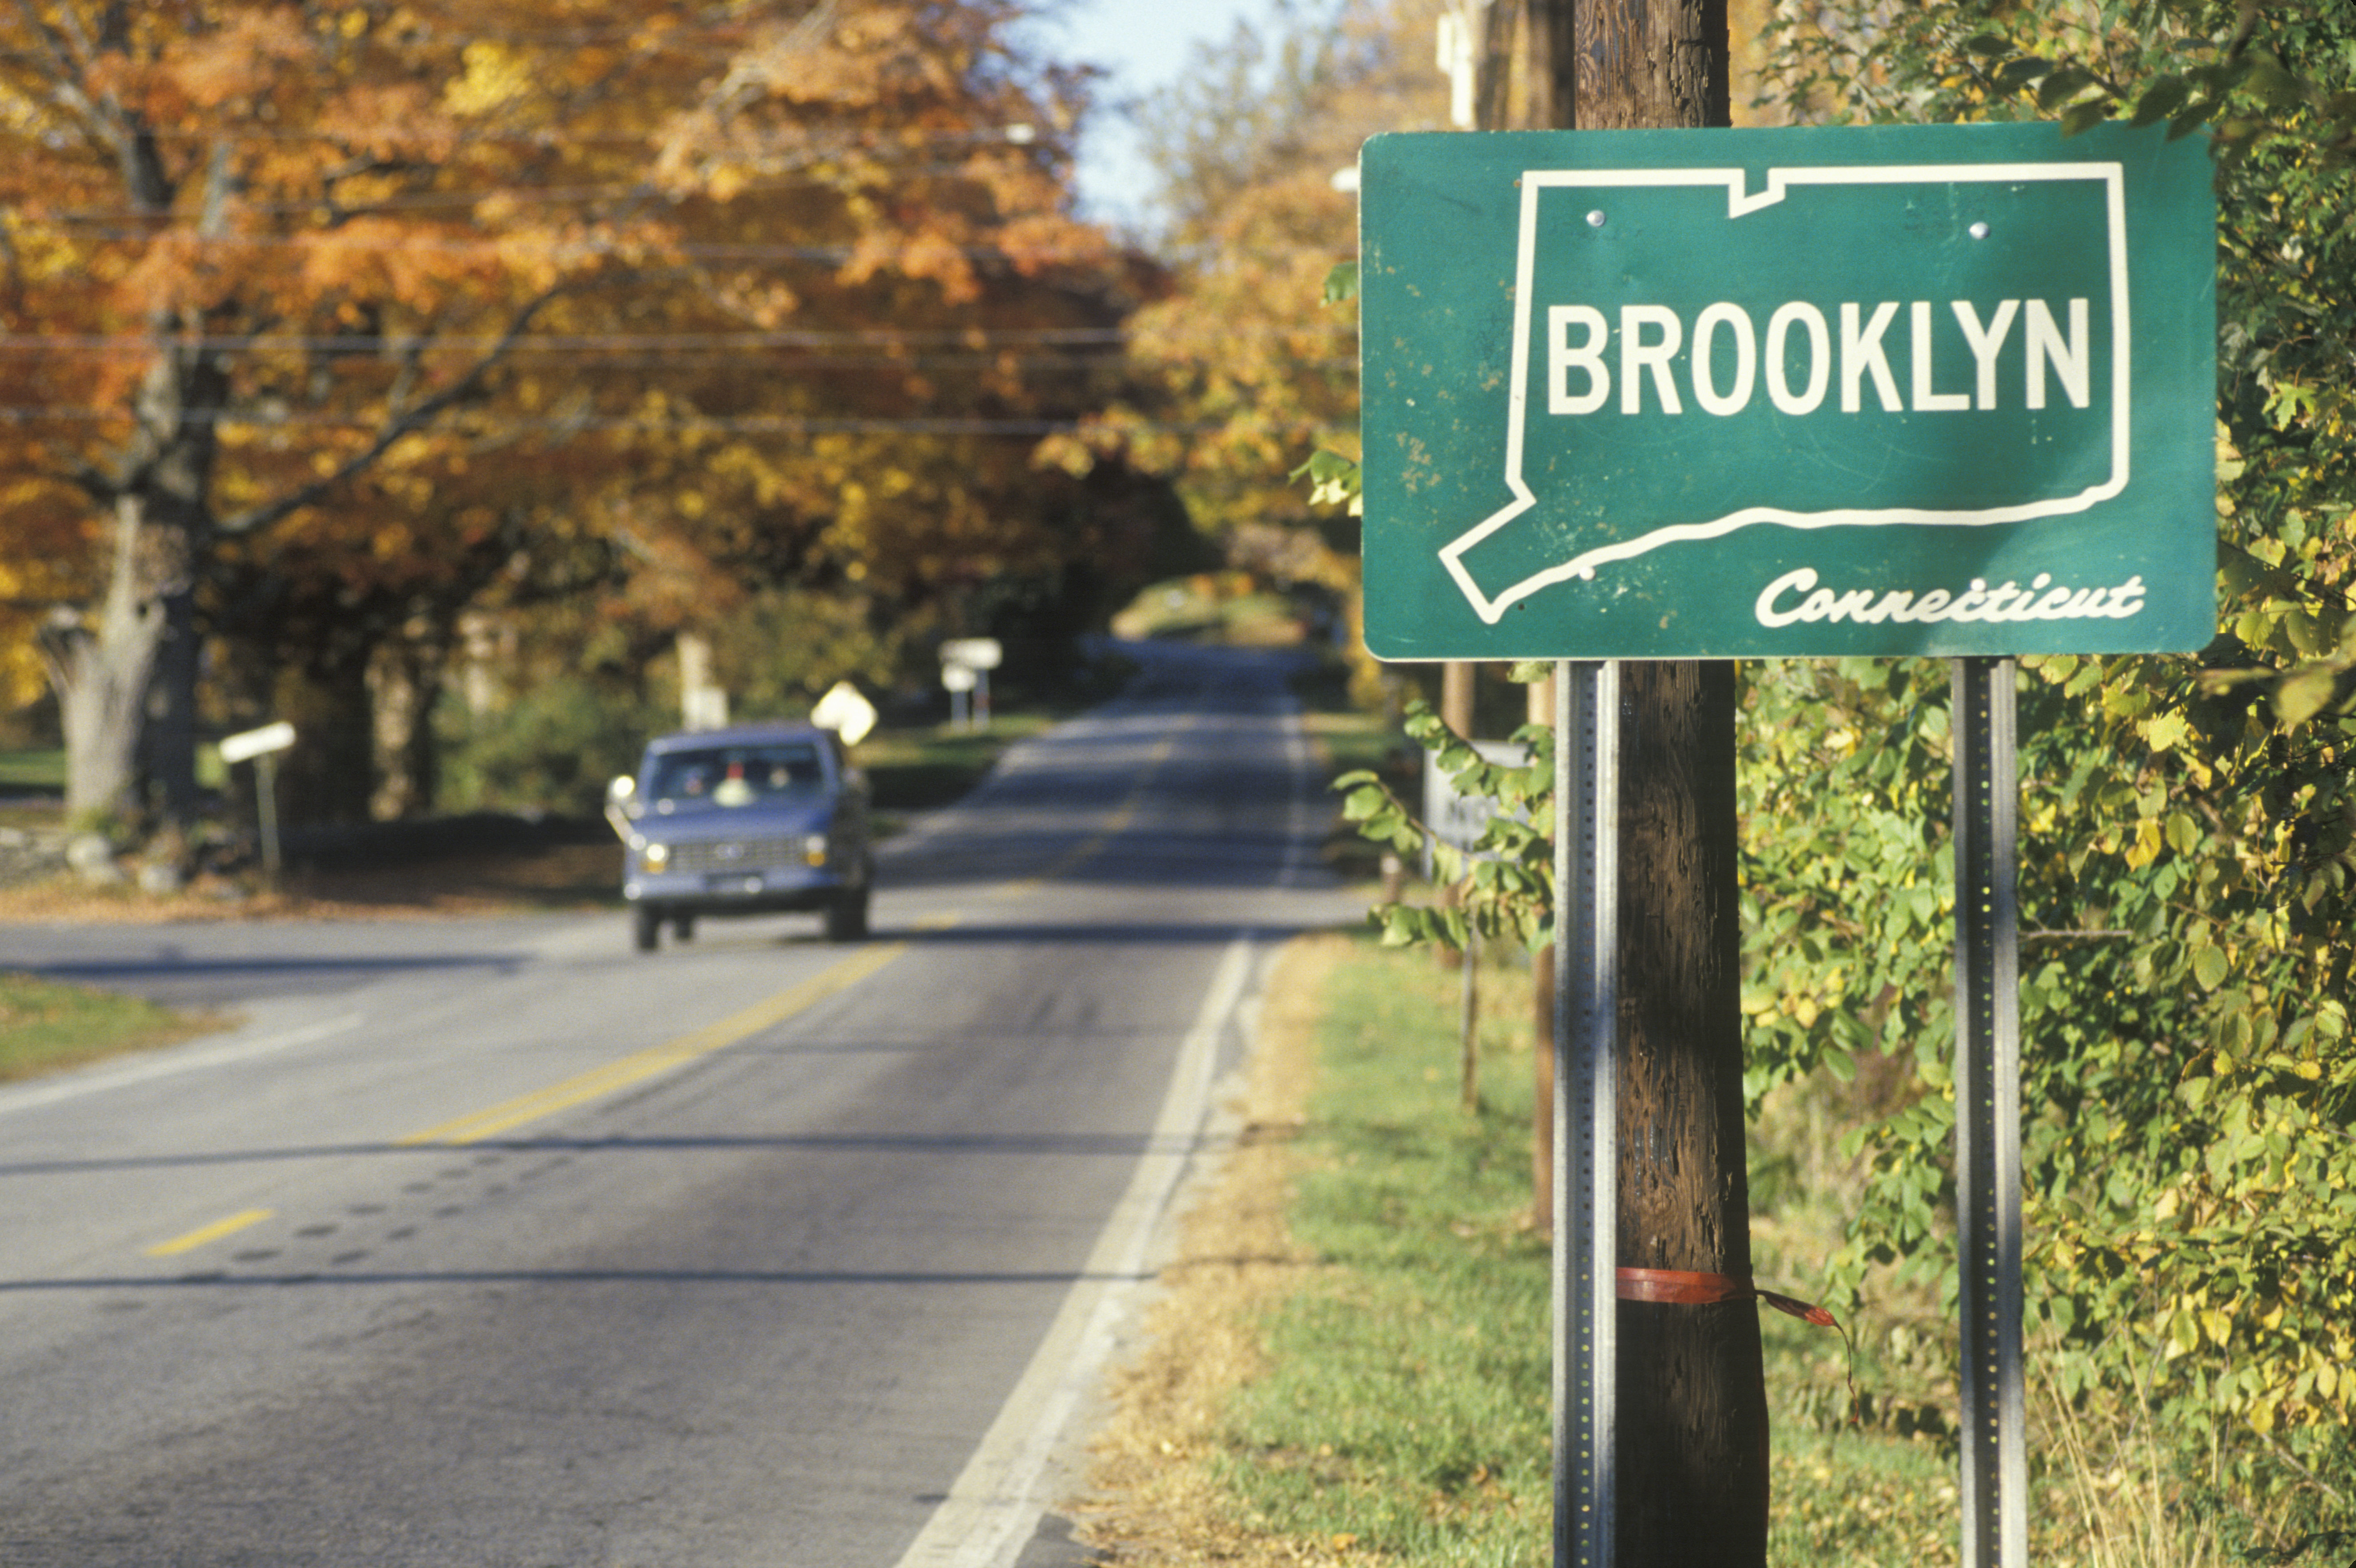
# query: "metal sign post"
[[266, 804], [260, 747], [1586, 1157], [1988, 1114], [959, 680], [980, 655]]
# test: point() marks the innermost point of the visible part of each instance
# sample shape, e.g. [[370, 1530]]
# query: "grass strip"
[[43, 770], [45, 1026], [916, 770], [1351, 1363], [1404, 1413]]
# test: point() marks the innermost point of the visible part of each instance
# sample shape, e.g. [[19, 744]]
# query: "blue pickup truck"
[[751, 819]]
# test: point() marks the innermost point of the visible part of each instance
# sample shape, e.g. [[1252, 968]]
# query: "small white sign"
[[973, 653], [1458, 819], [704, 707], [843, 711], [251, 744]]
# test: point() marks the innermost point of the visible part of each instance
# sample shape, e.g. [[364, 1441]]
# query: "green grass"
[[1405, 1409], [43, 771], [912, 769], [1408, 1404], [1849, 1501], [45, 1026], [1221, 607]]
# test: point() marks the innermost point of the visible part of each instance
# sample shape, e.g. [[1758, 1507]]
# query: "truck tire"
[[846, 917]]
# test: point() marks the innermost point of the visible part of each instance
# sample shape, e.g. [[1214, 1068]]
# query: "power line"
[[706, 250], [721, 40], [426, 200], [573, 248], [1027, 365], [560, 249], [740, 424], [1016, 133], [977, 339]]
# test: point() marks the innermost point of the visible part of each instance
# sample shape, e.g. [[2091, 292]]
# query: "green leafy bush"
[[2187, 823], [553, 748]]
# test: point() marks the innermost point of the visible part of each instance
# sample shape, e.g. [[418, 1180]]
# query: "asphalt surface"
[[489, 1241]]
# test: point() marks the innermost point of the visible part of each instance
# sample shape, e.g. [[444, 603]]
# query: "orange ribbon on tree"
[[1681, 1288]]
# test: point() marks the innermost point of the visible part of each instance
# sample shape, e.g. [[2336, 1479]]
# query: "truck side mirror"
[[621, 806]]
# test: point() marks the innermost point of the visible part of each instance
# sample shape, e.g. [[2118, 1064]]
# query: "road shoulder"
[[1151, 1494]]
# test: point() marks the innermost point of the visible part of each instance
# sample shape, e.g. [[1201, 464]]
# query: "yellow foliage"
[[495, 76], [23, 677]]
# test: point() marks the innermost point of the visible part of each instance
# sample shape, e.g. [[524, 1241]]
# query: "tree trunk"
[[328, 779], [130, 685], [100, 682], [167, 741], [102, 674], [404, 677], [1648, 64], [1690, 1469]]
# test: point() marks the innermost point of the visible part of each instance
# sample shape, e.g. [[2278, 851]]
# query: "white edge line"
[[166, 1064], [993, 1507], [2112, 174]]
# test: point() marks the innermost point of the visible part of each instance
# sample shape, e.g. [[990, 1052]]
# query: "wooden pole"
[[1456, 696], [1689, 1473], [1692, 1462]]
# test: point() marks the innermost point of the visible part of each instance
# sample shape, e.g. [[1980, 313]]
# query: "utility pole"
[[1690, 1467], [1462, 36]]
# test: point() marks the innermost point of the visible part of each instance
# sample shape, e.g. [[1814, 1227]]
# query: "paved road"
[[490, 1243]]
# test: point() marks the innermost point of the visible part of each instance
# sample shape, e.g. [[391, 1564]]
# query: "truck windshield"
[[735, 775]]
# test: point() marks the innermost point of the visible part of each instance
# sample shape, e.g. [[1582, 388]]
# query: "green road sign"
[[1899, 390]]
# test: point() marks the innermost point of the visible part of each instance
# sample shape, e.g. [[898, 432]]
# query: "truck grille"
[[735, 854]]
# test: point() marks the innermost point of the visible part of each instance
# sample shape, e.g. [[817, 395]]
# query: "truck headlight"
[[656, 856], [814, 849]]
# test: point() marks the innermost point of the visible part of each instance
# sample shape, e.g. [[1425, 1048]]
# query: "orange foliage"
[[400, 293]]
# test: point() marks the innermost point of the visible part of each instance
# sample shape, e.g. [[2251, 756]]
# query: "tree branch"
[[399, 422]]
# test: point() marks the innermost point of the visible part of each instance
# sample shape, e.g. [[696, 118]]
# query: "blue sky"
[[1143, 43]]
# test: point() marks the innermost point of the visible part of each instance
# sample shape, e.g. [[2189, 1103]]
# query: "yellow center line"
[[636, 1067], [212, 1233], [1119, 820]]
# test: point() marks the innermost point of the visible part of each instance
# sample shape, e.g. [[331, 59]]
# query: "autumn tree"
[[314, 309], [1241, 373], [201, 202]]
